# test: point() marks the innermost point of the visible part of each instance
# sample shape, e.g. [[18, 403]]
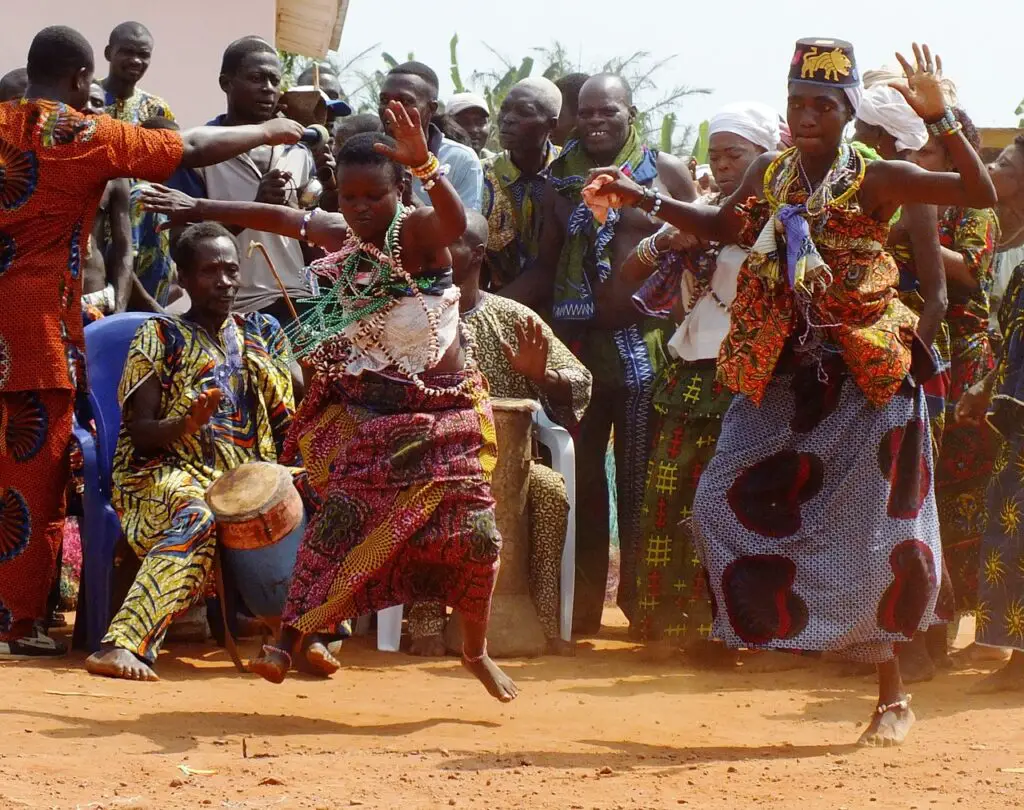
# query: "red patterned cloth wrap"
[[404, 476]]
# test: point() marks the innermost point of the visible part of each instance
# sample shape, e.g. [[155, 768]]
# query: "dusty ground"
[[603, 730]]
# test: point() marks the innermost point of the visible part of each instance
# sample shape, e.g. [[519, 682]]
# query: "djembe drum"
[[260, 521], [514, 629]]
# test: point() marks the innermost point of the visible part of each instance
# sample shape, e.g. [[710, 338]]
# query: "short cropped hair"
[[570, 85], [238, 50], [185, 248], [418, 69], [57, 53], [359, 151], [126, 30]]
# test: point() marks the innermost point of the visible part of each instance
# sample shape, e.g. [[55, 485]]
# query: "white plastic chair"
[[563, 461]]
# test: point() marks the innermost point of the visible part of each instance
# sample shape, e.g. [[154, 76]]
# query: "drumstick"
[[253, 246]]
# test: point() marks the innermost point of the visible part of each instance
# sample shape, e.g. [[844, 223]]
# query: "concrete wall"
[[190, 39]]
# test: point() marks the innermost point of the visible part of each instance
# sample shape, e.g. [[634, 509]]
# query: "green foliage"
[[658, 119], [456, 74], [700, 147]]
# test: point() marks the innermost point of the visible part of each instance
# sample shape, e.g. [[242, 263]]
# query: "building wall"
[[190, 39]]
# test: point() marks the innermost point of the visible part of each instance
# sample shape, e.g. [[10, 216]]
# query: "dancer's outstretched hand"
[[406, 128], [923, 87]]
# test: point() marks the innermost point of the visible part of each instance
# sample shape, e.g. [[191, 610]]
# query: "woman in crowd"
[[396, 428], [969, 237], [699, 281]]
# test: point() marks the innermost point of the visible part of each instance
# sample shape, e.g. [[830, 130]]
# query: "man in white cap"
[[470, 111]]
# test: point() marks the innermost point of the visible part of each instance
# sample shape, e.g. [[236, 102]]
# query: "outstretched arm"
[[703, 221], [323, 228], [205, 146]]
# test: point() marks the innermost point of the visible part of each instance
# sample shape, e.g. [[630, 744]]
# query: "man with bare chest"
[[591, 310], [107, 265]]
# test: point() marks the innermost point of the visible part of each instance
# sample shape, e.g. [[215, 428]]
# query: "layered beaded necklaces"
[[368, 284]]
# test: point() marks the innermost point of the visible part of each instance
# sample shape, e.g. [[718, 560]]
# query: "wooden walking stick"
[[280, 284]]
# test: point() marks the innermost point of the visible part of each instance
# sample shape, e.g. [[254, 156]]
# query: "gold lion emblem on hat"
[[834, 63]]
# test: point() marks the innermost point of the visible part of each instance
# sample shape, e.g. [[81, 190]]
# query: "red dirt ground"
[[603, 730]]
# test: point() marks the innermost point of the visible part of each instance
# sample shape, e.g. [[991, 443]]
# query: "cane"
[[288, 301]]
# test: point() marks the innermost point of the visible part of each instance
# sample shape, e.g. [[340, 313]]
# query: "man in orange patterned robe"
[[54, 166]]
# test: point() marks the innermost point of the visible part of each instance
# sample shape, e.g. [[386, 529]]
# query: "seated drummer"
[[521, 359], [201, 394]]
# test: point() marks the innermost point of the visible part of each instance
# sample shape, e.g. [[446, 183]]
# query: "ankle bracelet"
[[902, 704]]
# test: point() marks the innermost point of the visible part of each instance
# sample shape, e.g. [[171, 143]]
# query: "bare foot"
[[889, 729], [317, 660], [428, 647], [500, 685], [975, 655], [760, 661], [556, 646], [1009, 678], [659, 651], [708, 654], [272, 665], [114, 662]]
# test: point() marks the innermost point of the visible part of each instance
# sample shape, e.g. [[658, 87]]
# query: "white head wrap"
[[548, 92], [884, 107], [758, 123], [466, 101]]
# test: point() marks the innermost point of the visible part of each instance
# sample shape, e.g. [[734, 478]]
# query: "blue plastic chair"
[[106, 349]]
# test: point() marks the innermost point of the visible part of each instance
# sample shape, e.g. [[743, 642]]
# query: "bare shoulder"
[[674, 176]]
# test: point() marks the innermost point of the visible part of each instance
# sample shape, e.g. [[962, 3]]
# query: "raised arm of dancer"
[[897, 182], [440, 224]]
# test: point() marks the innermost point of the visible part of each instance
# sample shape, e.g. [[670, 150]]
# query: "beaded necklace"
[[366, 298]]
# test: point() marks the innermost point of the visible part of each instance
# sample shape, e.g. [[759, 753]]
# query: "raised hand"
[[923, 87], [203, 409], [282, 131], [530, 357], [176, 205], [406, 128]]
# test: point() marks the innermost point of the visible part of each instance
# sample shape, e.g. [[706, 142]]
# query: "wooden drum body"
[[260, 521], [514, 629]]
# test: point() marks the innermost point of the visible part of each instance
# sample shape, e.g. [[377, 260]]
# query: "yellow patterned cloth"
[[160, 498]]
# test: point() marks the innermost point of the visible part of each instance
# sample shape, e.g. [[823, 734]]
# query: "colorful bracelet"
[[647, 251], [428, 169], [305, 224], [946, 125], [432, 180]]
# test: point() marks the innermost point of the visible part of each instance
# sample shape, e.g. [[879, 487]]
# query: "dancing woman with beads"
[[396, 428], [816, 519]]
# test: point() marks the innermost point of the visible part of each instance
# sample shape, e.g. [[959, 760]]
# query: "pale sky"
[[739, 48]]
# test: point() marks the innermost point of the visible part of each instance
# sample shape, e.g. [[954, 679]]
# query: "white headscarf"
[[884, 107], [756, 122]]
